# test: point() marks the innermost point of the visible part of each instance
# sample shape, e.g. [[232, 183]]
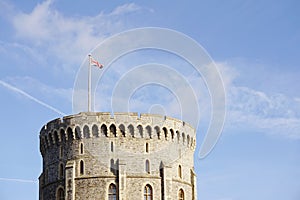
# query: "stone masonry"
[[94, 155]]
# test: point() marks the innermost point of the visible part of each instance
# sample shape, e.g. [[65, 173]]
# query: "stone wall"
[[85, 153]]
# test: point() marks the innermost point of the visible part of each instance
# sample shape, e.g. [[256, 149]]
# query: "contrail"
[[12, 88], [18, 180]]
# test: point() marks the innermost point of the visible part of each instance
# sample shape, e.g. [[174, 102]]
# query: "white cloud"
[[66, 38], [126, 8], [275, 114]]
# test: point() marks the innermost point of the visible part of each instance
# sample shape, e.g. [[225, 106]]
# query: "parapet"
[[104, 124]]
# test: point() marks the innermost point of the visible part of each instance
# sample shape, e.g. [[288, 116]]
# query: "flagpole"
[[89, 84]]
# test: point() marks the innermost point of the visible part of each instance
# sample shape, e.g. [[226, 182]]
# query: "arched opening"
[[157, 130], [81, 170], [165, 133], [172, 134], [140, 129], [70, 134], [122, 130], [77, 132], [60, 194], [113, 130], [112, 146], [81, 148], [50, 139], [56, 139], [147, 147], [86, 132], [147, 166], [179, 171], [178, 135], [148, 132], [112, 192], [104, 130], [131, 130], [62, 135], [95, 131], [61, 151], [183, 138], [181, 194], [148, 192]]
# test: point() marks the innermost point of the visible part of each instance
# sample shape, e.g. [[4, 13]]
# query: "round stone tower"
[[92, 156]]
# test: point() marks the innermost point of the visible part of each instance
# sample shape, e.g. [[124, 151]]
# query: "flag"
[[95, 62]]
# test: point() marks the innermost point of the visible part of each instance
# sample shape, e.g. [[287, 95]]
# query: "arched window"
[[70, 134], [131, 130], [61, 171], [122, 130], [140, 129], [104, 130], [172, 134], [81, 171], [112, 146], [179, 171], [148, 193], [181, 194], [148, 132], [165, 133], [113, 130], [95, 131], [60, 194], [81, 148], [86, 132], [61, 151], [157, 130], [147, 147], [56, 137], [147, 166], [112, 192]]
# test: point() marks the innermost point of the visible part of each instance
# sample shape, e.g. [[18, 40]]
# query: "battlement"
[[103, 124]]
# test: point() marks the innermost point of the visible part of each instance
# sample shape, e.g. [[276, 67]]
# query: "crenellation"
[[129, 150]]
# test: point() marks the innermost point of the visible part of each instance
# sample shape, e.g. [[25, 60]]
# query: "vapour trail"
[[18, 180], [17, 90]]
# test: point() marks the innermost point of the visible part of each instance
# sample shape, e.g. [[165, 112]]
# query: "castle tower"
[[93, 156]]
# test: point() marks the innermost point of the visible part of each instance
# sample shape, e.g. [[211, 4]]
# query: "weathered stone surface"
[[84, 153]]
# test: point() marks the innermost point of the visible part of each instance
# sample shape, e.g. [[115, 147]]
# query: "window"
[[81, 148], [81, 167], [179, 171], [181, 194], [46, 175], [147, 148], [148, 194], [112, 146], [113, 130], [61, 171], [112, 192], [60, 194], [147, 166], [61, 151]]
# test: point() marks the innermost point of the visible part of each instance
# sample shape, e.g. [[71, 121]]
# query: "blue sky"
[[254, 43]]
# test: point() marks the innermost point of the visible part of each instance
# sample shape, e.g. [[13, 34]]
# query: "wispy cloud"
[[271, 113], [126, 8]]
